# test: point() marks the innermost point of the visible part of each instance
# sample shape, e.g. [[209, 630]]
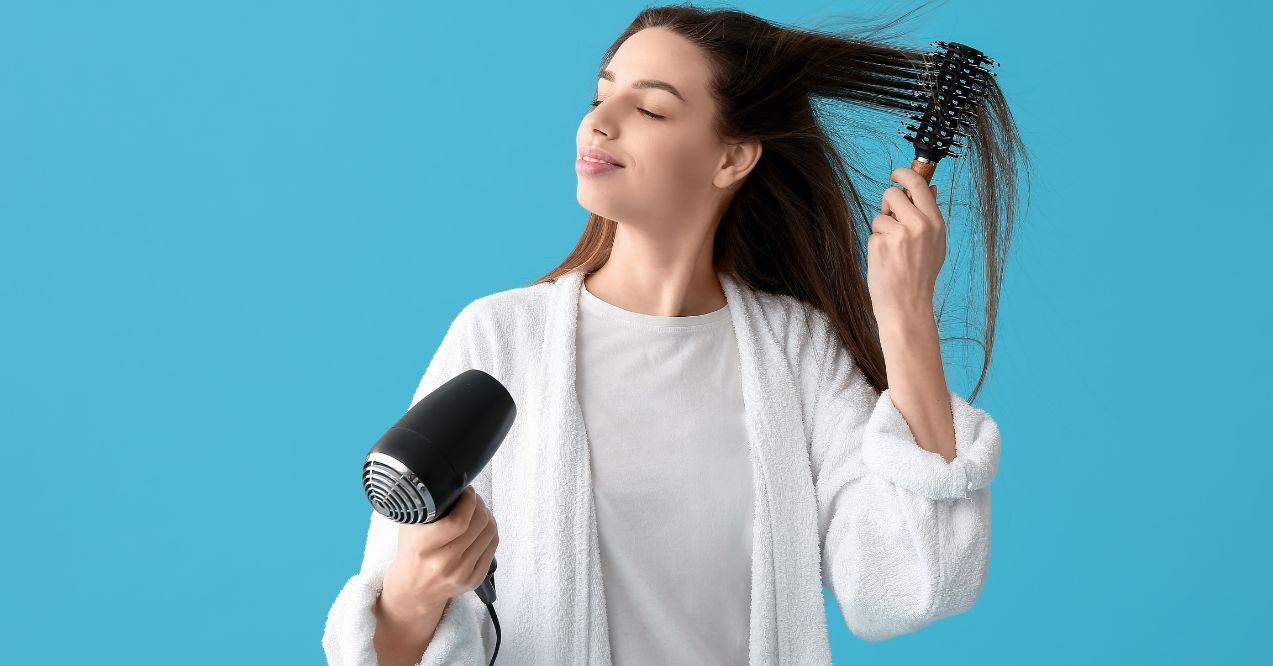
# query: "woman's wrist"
[[404, 627], [407, 604]]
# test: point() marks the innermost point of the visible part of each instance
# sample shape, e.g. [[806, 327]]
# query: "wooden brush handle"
[[924, 168]]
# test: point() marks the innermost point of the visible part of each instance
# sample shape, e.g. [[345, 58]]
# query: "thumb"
[[934, 189]]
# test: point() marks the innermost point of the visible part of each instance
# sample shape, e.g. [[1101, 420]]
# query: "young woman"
[[719, 413]]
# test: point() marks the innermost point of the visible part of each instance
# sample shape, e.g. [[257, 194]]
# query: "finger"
[[924, 200], [478, 547], [463, 544], [885, 224], [901, 207], [468, 502], [462, 512], [887, 207], [483, 564]]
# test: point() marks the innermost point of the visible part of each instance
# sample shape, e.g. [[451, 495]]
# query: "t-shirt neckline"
[[594, 305]]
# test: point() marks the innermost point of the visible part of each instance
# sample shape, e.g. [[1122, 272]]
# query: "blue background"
[[233, 233]]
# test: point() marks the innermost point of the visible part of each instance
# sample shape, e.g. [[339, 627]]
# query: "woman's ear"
[[737, 162]]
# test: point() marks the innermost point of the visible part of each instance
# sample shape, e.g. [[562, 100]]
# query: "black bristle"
[[953, 81]]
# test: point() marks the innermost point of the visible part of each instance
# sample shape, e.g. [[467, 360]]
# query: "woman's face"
[[670, 154]]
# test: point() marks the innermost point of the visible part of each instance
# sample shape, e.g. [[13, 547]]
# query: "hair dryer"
[[417, 470]]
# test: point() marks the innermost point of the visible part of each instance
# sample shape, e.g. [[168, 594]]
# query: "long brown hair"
[[798, 225]]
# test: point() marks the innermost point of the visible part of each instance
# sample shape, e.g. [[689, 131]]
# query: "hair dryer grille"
[[395, 491]]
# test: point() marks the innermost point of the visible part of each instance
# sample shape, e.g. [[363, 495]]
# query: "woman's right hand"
[[443, 559]]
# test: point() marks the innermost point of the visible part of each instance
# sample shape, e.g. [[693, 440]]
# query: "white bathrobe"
[[844, 496]]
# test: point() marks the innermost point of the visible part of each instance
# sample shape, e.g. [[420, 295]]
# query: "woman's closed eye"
[[655, 116]]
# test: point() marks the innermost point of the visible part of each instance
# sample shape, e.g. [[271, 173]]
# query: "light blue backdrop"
[[233, 234]]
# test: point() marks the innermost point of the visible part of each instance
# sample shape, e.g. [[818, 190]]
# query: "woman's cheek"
[[679, 167]]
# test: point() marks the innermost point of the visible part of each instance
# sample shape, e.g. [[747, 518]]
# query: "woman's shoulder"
[[503, 328], [510, 309]]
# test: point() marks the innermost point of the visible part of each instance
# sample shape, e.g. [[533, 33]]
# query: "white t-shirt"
[[663, 408]]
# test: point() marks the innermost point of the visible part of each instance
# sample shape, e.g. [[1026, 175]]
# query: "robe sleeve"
[[465, 634], [905, 534]]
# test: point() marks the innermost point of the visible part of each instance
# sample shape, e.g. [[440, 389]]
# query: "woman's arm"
[[463, 634], [403, 631], [905, 533], [917, 380]]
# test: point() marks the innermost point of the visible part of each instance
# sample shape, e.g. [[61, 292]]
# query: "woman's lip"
[[593, 168], [599, 154]]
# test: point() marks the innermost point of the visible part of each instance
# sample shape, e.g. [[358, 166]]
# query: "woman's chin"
[[603, 206]]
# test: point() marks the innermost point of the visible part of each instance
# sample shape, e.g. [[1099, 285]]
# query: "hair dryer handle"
[[486, 591]]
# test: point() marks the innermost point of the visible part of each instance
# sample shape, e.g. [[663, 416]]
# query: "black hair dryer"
[[417, 470]]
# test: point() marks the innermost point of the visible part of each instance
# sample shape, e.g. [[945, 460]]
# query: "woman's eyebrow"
[[644, 83]]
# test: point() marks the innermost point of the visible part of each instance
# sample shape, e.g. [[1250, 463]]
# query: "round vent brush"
[[954, 80]]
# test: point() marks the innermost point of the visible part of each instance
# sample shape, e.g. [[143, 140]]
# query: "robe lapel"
[[785, 579], [568, 590], [788, 618]]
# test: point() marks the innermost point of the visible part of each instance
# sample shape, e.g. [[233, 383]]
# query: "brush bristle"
[[954, 79]]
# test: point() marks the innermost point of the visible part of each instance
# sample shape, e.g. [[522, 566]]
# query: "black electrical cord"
[[495, 619]]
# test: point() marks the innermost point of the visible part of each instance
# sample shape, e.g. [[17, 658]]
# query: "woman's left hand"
[[906, 248]]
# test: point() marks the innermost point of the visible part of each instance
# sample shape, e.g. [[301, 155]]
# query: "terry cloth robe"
[[844, 496]]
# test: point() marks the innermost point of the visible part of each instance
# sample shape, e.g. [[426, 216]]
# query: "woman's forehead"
[[658, 55]]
